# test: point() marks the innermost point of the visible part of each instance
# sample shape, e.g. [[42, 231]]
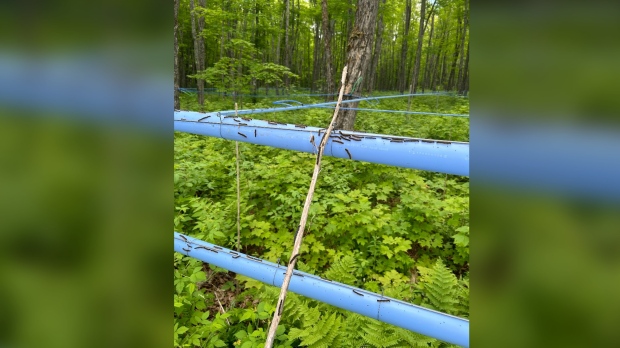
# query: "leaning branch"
[[277, 315]]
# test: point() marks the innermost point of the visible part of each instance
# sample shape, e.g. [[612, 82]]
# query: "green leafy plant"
[[386, 229], [243, 68]]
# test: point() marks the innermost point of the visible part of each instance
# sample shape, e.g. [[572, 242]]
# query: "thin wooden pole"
[[238, 194], [277, 315]]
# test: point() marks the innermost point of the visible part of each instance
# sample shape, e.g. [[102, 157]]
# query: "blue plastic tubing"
[[424, 154], [422, 320]]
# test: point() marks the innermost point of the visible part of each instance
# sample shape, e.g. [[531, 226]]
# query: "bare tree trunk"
[[198, 49], [177, 103], [402, 74], [316, 60], [444, 67], [327, 39], [462, 51], [202, 50], [358, 57], [464, 86], [418, 54], [376, 54], [287, 62], [437, 56], [428, 66], [453, 77]]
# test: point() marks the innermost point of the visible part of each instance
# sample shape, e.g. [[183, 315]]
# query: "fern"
[[440, 288], [313, 324], [379, 335], [463, 298], [414, 339], [343, 270], [321, 334], [351, 329]]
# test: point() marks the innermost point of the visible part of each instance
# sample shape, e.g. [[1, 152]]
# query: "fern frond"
[[440, 287], [351, 329], [463, 298], [343, 270], [379, 335], [323, 333], [295, 333], [414, 339]]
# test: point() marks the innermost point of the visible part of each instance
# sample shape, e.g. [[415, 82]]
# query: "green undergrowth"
[[386, 229], [421, 126]]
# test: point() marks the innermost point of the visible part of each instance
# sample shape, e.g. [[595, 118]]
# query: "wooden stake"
[[238, 194], [277, 314]]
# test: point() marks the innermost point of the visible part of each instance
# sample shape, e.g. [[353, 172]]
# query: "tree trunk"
[[377, 53], [327, 39], [461, 77], [198, 49], [287, 62], [418, 54], [201, 46], [402, 74], [464, 87], [177, 103], [444, 67], [452, 78], [358, 57], [316, 60], [436, 68], [428, 66]]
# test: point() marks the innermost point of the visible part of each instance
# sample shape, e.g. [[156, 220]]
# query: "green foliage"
[[233, 74], [343, 270], [319, 333], [386, 229], [442, 291]]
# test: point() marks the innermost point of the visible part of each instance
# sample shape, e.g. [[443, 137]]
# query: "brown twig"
[[221, 308], [238, 198], [277, 315]]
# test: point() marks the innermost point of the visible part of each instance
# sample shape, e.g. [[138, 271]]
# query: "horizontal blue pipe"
[[425, 154], [422, 320]]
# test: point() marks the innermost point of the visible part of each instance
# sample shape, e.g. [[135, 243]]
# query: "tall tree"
[[177, 103], [358, 57], [418, 54], [377, 53], [316, 61], [327, 39], [198, 48], [287, 49], [461, 77], [428, 66], [464, 85], [402, 74], [452, 78]]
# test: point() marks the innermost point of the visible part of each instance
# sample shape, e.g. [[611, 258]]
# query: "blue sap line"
[[441, 156], [422, 320]]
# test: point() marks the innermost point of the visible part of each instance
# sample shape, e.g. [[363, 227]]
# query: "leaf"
[[464, 229], [281, 329], [385, 250], [241, 334], [247, 314], [461, 240], [219, 343]]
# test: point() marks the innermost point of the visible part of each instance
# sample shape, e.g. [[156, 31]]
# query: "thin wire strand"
[[238, 193]]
